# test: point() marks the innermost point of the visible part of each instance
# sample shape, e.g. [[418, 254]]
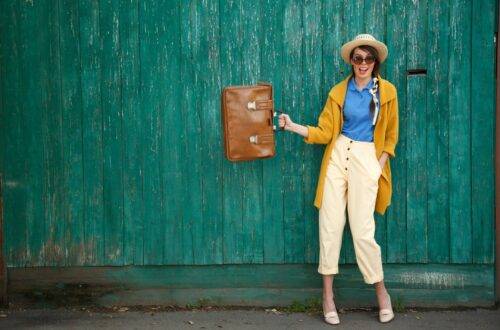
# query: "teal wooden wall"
[[111, 139]]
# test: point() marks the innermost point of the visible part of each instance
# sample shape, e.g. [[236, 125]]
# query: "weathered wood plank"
[[185, 104], [438, 226], [193, 218], [54, 186], [15, 227], [252, 208], [460, 133], [333, 65], [483, 131], [400, 276], [211, 147], [416, 193], [4, 302], [351, 297], [33, 40], [90, 50], [45, 72], [72, 132], [293, 104], [231, 74], [396, 73], [415, 125], [3, 92], [133, 211], [354, 13], [413, 285], [112, 132], [152, 69], [271, 71], [312, 103], [172, 139], [417, 34], [375, 22], [160, 33], [3, 114], [195, 130]]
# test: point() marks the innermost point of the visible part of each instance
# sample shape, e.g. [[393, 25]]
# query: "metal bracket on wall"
[[414, 72]]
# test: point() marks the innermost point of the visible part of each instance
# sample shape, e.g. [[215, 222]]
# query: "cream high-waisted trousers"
[[352, 180]]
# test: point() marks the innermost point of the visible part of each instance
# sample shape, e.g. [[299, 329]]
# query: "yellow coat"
[[385, 135]]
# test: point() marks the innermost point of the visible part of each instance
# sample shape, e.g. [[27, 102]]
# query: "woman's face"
[[363, 63]]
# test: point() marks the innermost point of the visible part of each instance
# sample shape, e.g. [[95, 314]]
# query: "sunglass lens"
[[369, 59], [359, 59]]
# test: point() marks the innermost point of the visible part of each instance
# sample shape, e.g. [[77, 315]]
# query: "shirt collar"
[[352, 85], [386, 90]]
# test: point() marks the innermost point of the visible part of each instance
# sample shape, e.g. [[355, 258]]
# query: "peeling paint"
[[434, 280], [12, 184]]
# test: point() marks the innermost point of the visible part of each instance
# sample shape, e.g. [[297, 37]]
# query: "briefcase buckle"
[[252, 105]]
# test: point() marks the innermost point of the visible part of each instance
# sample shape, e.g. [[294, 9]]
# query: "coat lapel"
[[338, 93], [386, 94]]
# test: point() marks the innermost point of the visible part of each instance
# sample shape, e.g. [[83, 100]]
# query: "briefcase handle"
[[276, 112]]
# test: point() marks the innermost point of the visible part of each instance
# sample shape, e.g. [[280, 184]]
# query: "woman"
[[359, 124]]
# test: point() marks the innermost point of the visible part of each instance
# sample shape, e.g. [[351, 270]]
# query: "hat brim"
[[346, 49]]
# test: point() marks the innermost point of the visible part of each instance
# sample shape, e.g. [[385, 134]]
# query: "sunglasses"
[[358, 59]]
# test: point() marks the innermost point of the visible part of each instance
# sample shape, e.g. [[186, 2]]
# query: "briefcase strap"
[[259, 105], [262, 138]]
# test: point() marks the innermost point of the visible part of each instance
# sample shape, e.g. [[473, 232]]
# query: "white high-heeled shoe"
[[386, 315], [332, 318]]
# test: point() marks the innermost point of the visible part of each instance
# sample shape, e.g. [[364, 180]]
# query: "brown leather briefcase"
[[247, 118]]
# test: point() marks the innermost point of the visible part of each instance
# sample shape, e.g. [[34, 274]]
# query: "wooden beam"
[[411, 285], [497, 167], [3, 269]]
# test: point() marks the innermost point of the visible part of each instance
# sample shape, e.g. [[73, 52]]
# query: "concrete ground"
[[124, 318]]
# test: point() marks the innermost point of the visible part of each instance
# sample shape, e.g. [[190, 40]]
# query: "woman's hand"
[[383, 159], [285, 122]]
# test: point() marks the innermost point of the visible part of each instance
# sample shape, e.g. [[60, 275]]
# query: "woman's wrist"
[[298, 129]]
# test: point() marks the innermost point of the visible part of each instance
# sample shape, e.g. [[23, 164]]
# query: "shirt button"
[[347, 158], [350, 141], [348, 148], [346, 168]]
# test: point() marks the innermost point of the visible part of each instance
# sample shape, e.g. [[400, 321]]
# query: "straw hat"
[[361, 40]]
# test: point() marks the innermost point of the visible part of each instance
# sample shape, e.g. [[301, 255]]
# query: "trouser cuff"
[[328, 271], [373, 280]]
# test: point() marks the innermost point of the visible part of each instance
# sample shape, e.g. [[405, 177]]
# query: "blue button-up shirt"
[[357, 116]]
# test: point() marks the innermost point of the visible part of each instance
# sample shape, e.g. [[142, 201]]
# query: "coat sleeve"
[[392, 131], [322, 134]]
